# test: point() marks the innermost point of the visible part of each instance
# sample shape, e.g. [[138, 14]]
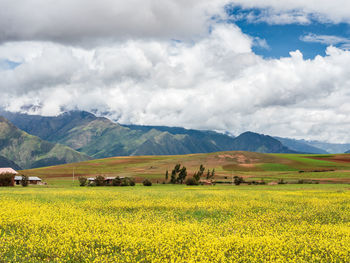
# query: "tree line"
[[179, 174]]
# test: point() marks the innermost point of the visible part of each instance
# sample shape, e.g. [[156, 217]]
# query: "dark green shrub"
[[7, 179], [125, 182], [82, 181], [147, 182], [131, 182], [24, 181], [237, 180], [191, 181], [117, 181], [281, 181], [99, 180]]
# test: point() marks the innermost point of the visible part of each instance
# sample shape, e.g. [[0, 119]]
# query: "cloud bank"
[[174, 64]]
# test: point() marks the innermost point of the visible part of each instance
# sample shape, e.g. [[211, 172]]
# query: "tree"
[[197, 176], [116, 181], [166, 175], [99, 180], [238, 180], [178, 174], [147, 182], [7, 179], [182, 175], [210, 175], [82, 181], [173, 177], [24, 180]]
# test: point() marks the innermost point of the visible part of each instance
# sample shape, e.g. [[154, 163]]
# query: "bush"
[[82, 181], [24, 181], [281, 181], [99, 180], [131, 182], [117, 181], [191, 181], [7, 179], [125, 182], [147, 182], [238, 180]]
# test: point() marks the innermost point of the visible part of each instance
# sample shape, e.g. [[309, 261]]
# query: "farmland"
[[62, 222], [249, 165], [165, 223]]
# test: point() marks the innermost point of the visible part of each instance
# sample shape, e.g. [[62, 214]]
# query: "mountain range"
[[27, 151], [79, 135]]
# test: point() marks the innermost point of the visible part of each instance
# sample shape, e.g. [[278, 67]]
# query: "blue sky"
[[283, 38]]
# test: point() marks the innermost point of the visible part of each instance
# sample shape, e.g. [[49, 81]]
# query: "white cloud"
[[202, 78], [216, 83], [90, 22], [285, 11], [327, 40]]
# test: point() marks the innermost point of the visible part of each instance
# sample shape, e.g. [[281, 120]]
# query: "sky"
[[274, 67]]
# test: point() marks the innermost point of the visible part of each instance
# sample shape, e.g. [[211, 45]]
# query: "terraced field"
[[251, 166]]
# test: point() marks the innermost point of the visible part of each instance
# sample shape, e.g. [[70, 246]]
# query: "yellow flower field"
[[163, 223]]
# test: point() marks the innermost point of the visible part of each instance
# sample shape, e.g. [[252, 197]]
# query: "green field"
[[176, 223], [251, 166]]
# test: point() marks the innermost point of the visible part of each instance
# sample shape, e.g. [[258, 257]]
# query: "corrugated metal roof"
[[7, 170], [30, 178]]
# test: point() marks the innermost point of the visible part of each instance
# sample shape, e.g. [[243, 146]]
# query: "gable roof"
[[7, 170]]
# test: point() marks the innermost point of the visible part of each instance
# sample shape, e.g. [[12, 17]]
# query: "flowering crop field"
[[165, 223]]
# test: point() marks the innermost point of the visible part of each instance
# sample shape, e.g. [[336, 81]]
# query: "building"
[[7, 181], [7, 170], [31, 179]]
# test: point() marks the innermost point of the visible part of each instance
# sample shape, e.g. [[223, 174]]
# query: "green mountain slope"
[[29, 151], [255, 142], [100, 137], [4, 162]]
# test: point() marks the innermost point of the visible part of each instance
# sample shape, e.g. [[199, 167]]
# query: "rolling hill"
[[100, 137], [28, 151], [250, 165]]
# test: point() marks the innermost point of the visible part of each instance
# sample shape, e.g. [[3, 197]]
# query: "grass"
[[270, 167], [175, 223]]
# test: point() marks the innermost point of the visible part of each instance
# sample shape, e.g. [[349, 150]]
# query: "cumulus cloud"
[[88, 22], [173, 63], [215, 83]]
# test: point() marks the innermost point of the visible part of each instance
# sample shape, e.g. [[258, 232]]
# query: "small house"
[[31, 180], [7, 181], [7, 170]]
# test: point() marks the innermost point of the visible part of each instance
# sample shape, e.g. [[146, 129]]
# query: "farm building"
[[31, 179], [7, 170], [7, 175]]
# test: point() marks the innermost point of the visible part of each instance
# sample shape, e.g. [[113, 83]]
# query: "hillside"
[[250, 165], [347, 151], [255, 142], [99, 137], [29, 151], [4, 162], [301, 146]]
